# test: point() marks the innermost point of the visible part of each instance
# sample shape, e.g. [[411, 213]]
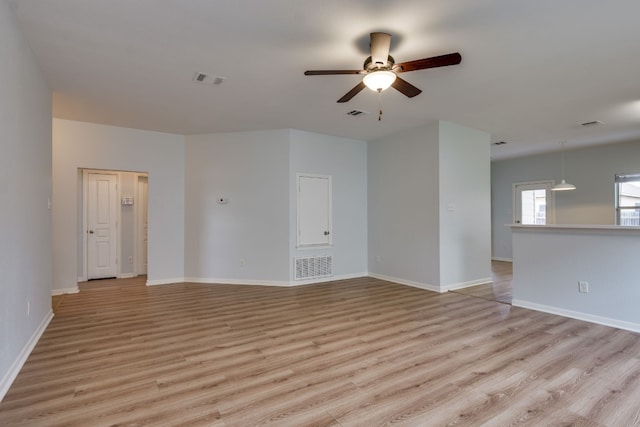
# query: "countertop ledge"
[[586, 227]]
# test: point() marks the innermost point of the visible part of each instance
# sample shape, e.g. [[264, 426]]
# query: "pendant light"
[[564, 185]]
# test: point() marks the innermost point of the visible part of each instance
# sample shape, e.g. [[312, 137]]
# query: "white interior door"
[[102, 203], [143, 221], [314, 210], [533, 203]]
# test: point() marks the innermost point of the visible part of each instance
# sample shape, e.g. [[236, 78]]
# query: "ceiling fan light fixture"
[[380, 80]]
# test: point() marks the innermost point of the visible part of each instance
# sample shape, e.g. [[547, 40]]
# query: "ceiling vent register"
[[208, 79]]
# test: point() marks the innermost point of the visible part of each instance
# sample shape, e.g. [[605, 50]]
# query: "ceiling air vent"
[[592, 123], [356, 113], [208, 79]]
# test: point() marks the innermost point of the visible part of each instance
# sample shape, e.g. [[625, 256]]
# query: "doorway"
[[114, 217], [533, 203]]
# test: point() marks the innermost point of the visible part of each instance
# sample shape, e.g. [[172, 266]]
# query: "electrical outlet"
[[242, 262], [130, 260], [583, 287], [378, 258], [28, 308]]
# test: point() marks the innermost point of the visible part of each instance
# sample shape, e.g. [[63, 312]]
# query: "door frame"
[[137, 231], [329, 243], [551, 200], [85, 220]]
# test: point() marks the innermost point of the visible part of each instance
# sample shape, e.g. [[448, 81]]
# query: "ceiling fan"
[[380, 70]]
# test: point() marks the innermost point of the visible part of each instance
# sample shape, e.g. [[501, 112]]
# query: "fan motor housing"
[[370, 66]]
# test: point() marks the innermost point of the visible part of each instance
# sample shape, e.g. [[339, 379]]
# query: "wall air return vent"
[[313, 267], [208, 79]]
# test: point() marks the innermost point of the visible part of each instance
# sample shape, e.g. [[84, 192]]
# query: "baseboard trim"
[[606, 321], [17, 365], [212, 281], [413, 284], [463, 285], [495, 258], [328, 279], [293, 283], [166, 281], [62, 291], [126, 276]]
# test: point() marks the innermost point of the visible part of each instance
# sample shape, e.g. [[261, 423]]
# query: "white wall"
[[346, 161], [25, 187], [403, 206], [591, 170], [84, 145], [251, 170], [465, 205]]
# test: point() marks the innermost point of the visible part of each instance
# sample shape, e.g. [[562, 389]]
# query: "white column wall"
[[465, 206], [403, 207]]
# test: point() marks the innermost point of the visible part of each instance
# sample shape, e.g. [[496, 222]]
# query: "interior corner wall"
[[345, 160], [78, 145], [465, 205], [592, 170], [25, 188], [403, 242], [245, 239]]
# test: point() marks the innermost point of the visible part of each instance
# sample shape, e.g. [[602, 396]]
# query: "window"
[[628, 200], [533, 203]]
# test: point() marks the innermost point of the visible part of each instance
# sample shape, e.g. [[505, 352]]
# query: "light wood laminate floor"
[[360, 352]]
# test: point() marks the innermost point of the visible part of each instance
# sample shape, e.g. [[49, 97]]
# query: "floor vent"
[[313, 267]]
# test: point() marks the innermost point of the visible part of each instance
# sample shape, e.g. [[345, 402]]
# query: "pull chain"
[[379, 105]]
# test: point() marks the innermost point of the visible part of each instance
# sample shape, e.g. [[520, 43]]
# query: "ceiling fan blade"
[[353, 92], [380, 45], [433, 62], [331, 72], [405, 87]]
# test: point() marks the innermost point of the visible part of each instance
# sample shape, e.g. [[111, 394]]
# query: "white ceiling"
[[531, 71]]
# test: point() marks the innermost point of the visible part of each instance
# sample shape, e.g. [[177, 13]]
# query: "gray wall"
[[591, 170], [25, 188], [256, 172], [465, 206], [346, 161], [403, 206], [251, 170], [429, 210]]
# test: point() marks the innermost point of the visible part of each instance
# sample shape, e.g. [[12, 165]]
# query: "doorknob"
[[326, 233], [90, 231]]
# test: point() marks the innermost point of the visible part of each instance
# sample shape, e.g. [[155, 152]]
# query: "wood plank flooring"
[[360, 352]]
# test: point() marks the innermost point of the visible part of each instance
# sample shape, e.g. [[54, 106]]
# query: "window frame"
[[621, 179]]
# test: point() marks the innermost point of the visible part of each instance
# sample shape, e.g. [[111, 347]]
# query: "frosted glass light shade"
[[379, 80], [563, 186]]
